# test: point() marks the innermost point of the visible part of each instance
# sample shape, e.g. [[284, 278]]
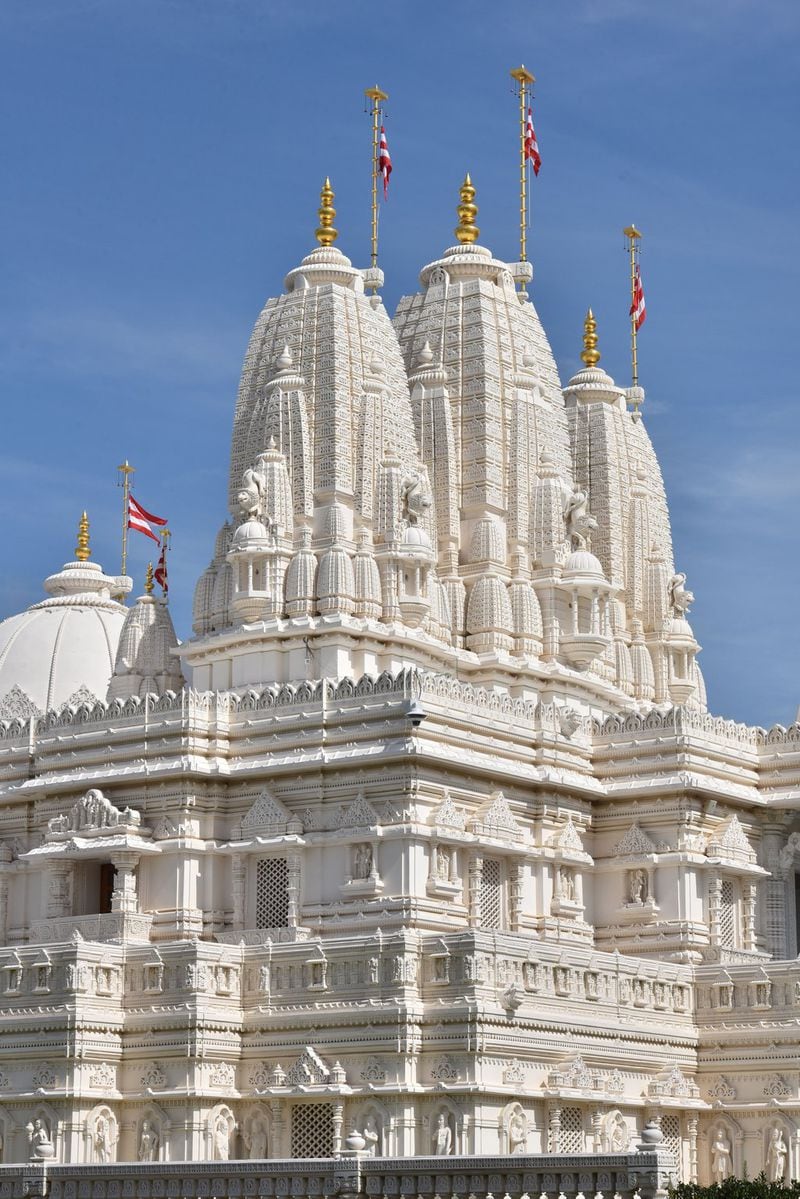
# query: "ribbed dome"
[[63, 648]]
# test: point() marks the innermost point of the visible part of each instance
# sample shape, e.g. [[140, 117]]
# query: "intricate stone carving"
[[635, 843], [270, 817], [93, 811], [360, 814], [309, 1068], [15, 704], [445, 1069], [448, 815]]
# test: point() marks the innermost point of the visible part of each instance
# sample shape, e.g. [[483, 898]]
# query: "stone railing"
[[642, 1175], [109, 926]]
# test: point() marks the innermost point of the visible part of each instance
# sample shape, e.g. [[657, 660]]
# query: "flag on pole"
[[384, 163], [160, 572], [638, 310], [140, 519], [532, 146]]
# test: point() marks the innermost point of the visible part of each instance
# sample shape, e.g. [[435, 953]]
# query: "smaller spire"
[[148, 579], [326, 234], [590, 354], [467, 231], [82, 551]]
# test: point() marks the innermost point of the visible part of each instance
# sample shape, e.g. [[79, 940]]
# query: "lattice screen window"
[[312, 1130], [727, 914], [492, 894], [671, 1128], [571, 1139], [272, 893]]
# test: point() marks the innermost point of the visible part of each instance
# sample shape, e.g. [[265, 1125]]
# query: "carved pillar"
[[714, 908], [554, 1130], [778, 919], [238, 880], [475, 880], [691, 1128], [293, 889], [338, 1121], [124, 897], [59, 891], [597, 1130], [276, 1112], [3, 906], [749, 896], [516, 885]]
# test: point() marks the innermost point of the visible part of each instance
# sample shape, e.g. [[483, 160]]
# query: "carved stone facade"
[[441, 853]]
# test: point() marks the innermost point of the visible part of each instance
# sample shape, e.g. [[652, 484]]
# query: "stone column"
[[691, 1128], [238, 881], [293, 889], [516, 876], [338, 1121], [279, 1149], [554, 1130], [597, 1130], [475, 880], [59, 892], [714, 908], [124, 898], [749, 895]]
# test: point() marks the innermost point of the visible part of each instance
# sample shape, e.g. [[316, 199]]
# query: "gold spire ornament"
[[326, 234], [525, 79], [82, 551], [377, 96], [467, 231], [590, 354], [148, 579]]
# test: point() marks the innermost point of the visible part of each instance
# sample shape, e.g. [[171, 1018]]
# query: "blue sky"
[[161, 169]]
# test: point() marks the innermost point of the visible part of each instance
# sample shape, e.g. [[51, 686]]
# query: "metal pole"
[[126, 470], [377, 97], [523, 78], [633, 235]]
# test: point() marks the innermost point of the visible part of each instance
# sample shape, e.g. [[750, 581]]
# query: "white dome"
[[63, 647]]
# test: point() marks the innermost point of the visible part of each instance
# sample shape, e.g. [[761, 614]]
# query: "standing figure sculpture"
[[148, 1143], [442, 1137], [102, 1139], [517, 1133], [721, 1165], [777, 1153], [222, 1140], [372, 1136]]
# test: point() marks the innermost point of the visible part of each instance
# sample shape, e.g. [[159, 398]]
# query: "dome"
[[582, 563], [63, 649]]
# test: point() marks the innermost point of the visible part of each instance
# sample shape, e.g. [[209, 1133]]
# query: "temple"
[[424, 843]]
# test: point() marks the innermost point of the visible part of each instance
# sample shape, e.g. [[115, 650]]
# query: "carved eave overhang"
[[71, 847], [633, 786], [256, 843]]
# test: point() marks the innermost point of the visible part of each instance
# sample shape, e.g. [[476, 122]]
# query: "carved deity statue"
[[257, 1138], [221, 1139], [517, 1133], [39, 1140], [362, 865], [442, 1137], [443, 860], [102, 1138], [721, 1165], [566, 883], [148, 1143], [251, 495], [416, 495], [777, 1153], [372, 1137], [680, 598], [619, 1136], [578, 519], [637, 886]]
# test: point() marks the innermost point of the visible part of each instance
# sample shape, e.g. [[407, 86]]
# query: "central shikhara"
[[440, 853]]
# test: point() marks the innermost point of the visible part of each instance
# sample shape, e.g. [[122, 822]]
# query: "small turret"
[[144, 663]]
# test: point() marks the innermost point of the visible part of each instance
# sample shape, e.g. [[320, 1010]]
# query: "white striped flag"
[[638, 310], [384, 163], [532, 146], [141, 520]]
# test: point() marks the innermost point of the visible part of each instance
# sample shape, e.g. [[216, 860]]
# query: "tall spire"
[[467, 231], [82, 551], [326, 234], [590, 354]]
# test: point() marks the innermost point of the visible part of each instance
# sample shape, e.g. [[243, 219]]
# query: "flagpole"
[[377, 97], [524, 79], [126, 470], [634, 236]]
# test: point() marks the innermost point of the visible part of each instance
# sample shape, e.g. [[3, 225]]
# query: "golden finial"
[[467, 231], [590, 353], [148, 579], [82, 551], [326, 234]]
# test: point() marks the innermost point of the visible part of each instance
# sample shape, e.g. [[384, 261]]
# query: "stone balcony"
[[109, 926]]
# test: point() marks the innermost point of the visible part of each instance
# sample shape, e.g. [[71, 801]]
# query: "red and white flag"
[[160, 572], [532, 146], [141, 520], [638, 310], [384, 163]]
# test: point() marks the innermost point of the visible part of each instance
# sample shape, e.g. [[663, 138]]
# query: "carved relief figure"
[[442, 1137], [362, 862], [148, 1143], [39, 1139], [257, 1138], [249, 498], [102, 1139], [416, 496], [637, 886], [578, 519], [680, 598], [221, 1140], [372, 1136], [517, 1132], [443, 860], [721, 1165], [619, 1136], [565, 883], [777, 1153]]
